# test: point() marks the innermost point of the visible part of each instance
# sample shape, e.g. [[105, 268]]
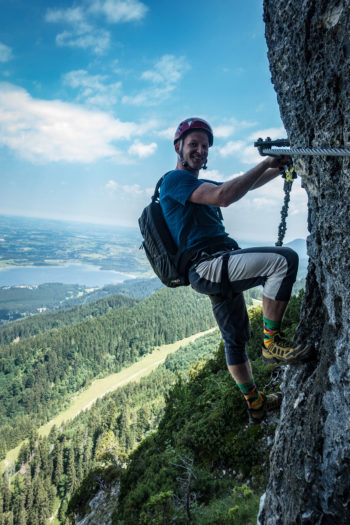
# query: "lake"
[[84, 274]]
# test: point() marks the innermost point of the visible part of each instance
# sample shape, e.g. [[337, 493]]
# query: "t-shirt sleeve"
[[180, 185]]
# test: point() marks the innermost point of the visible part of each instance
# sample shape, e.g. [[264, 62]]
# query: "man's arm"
[[233, 190]]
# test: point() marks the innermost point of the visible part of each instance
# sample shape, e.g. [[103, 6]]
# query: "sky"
[[91, 92]]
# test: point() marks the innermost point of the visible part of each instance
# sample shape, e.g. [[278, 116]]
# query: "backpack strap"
[[187, 226], [157, 188]]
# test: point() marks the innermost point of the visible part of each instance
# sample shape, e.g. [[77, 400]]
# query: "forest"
[[176, 447], [40, 373], [48, 470]]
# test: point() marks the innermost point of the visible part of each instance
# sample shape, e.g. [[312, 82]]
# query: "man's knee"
[[292, 259], [235, 355]]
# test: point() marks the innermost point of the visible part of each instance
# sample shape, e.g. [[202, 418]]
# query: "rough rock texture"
[[102, 506], [309, 54]]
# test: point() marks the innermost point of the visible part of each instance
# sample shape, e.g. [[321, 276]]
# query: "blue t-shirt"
[[176, 188]]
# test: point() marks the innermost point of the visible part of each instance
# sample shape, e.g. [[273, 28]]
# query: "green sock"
[[271, 328], [251, 394]]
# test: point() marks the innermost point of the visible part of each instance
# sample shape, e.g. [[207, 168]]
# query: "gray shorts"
[[225, 276]]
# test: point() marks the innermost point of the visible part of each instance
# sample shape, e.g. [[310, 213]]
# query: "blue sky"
[[91, 92]]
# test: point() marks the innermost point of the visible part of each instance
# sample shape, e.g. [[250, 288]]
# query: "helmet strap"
[[182, 160]]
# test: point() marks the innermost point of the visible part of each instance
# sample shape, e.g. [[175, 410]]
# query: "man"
[[217, 267]]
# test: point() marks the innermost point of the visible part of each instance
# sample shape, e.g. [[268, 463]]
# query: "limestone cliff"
[[309, 54]]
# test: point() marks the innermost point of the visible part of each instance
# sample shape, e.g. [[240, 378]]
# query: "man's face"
[[195, 149]]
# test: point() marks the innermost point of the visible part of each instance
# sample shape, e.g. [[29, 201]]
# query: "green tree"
[[28, 491], [6, 493], [58, 462], [33, 439], [246, 506], [107, 449], [41, 501], [24, 454], [71, 477], [159, 509], [9, 519]]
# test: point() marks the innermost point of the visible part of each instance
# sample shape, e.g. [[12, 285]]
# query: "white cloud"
[[112, 185], [244, 149], [167, 133], [229, 126], [216, 176], [231, 148], [5, 53], [263, 202], [223, 131], [273, 133], [165, 75], [117, 11], [250, 155], [168, 70], [83, 32], [133, 189], [96, 40], [142, 150], [94, 89], [51, 130], [71, 15]]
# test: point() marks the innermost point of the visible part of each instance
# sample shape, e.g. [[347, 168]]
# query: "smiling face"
[[194, 151]]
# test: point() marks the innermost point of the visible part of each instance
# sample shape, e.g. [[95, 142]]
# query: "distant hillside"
[[39, 374], [17, 302], [41, 323], [299, 245]]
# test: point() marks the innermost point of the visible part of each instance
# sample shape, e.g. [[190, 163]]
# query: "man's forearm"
[[268, 175], [234, 190]]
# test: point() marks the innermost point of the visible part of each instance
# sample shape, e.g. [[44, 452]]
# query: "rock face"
[[309, 54]]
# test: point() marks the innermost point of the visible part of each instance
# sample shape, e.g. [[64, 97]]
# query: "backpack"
[[160, 248]]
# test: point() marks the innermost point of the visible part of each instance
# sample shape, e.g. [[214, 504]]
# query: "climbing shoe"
[[281, 351], [270, 402]]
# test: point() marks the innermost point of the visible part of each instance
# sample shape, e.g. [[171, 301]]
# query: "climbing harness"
[[279, 147]]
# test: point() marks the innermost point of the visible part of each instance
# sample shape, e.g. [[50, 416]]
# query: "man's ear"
[[177, 147]]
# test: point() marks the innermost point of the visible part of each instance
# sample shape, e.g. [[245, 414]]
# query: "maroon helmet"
[[192, 124]]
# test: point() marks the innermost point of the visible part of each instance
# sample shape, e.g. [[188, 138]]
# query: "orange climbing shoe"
[[284, 353], [271, 402]]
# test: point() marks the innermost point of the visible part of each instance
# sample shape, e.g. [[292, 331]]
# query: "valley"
[[97, 380], [100, 387]]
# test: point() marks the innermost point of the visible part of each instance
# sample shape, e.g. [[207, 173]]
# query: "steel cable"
[[327, 152]]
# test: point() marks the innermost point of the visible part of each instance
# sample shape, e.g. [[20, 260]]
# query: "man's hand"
[[279, 162]]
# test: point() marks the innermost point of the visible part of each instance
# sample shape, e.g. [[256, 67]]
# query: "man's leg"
[[275, 268], [275, 348], [241, 373], [272, 319], [247, 268], [232, 318], [273, 309]]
